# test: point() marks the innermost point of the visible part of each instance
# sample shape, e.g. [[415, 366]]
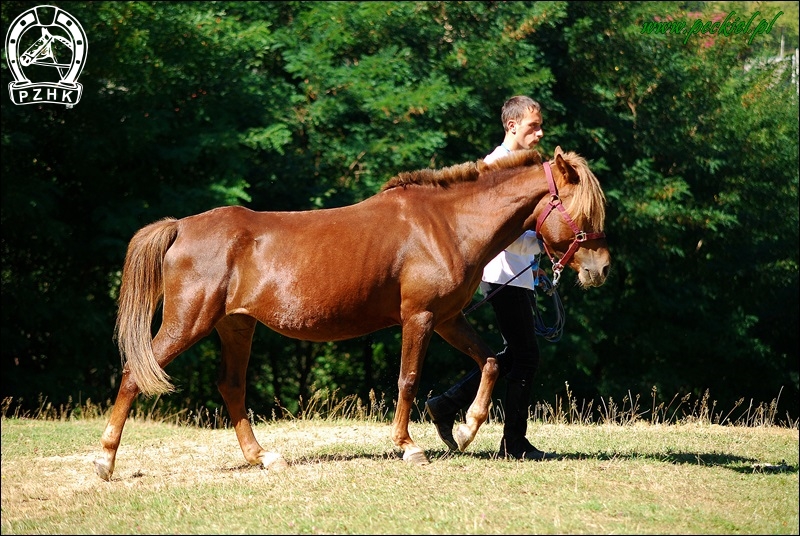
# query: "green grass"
[[186, 474]]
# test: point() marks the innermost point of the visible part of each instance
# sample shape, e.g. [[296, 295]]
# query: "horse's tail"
[[140, 294]]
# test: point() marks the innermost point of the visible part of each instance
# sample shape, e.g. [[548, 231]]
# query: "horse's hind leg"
[[166, 349], [104, 466], [236, 334]]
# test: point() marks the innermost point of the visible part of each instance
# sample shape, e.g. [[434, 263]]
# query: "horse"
[[411, 255]]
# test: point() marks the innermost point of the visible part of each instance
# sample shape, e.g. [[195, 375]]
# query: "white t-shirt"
[[515, 257]]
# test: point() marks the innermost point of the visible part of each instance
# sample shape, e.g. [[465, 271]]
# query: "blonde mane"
[[468, 171], [588, 200]]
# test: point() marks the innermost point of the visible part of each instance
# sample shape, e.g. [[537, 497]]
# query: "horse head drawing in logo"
[[46, 51]]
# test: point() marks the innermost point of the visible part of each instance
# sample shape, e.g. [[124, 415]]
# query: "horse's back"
[[316, 275]]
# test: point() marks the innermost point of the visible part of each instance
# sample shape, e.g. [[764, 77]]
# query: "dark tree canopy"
[[302, 105]]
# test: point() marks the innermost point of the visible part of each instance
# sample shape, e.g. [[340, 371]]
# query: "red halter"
[[580, 236]]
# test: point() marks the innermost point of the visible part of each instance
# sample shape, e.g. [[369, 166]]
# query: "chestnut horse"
[[413, 255]]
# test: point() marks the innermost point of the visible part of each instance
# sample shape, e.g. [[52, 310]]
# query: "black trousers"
[[513, 307]]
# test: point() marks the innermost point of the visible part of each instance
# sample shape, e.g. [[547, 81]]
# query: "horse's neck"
[[494, 218]]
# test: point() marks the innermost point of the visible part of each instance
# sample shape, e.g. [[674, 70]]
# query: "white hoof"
[[463, 437], [416, 456], [104, 469], [274, 462]]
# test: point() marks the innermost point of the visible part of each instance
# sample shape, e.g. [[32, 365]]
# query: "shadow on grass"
[[736, 463], [739, 464]]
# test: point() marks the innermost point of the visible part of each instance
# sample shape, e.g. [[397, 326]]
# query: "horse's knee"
[[408, 386], [491, 369]]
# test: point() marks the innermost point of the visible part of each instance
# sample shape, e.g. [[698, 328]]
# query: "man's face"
[[528, 130]]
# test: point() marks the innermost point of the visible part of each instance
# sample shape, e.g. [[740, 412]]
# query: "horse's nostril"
[[604, 271]]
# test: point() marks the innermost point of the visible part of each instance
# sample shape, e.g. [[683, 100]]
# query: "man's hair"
[[516, 107]]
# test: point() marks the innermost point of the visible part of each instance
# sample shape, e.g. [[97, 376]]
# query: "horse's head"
[[571, 218]]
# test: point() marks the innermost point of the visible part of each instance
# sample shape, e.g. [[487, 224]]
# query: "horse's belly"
[[322, 318], [301, 296], [315, 324], [330, 332]]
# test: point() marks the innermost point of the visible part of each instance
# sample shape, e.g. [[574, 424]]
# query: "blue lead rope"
[[552, 333]]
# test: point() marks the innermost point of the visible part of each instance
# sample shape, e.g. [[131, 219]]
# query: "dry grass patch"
[[346, 477]]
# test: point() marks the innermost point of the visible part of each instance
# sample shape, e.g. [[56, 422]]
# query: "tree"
[[306, 105], [691, 142]]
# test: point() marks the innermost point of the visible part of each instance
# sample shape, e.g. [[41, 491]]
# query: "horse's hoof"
[[274, 462], [103, 469], [416, 457], [463, 437]]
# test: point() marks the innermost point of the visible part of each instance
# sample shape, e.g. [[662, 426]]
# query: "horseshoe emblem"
[[56, 42]]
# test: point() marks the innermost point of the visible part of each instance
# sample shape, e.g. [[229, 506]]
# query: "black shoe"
[[443, 421], [523, 450]]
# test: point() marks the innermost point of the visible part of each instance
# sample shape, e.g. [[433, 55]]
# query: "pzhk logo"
[[53, 55]]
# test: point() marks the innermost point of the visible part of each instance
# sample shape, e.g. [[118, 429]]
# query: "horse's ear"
[[565, 168], [558, 151]]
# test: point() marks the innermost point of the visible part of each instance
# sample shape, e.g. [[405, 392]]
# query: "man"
[[513, 306]]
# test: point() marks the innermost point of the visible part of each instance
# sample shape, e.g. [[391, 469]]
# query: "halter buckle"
[[556, 275]]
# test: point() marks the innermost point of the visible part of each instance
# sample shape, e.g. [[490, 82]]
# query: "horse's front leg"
[[417, 331], [460, 334]]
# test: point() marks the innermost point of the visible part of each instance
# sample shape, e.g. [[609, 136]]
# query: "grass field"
[[346, 477]]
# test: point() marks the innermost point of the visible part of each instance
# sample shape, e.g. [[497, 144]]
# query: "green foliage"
[[682, 129], [304, 105]]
